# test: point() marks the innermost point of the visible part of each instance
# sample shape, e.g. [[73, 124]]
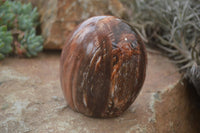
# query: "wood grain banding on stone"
[[103, 66]]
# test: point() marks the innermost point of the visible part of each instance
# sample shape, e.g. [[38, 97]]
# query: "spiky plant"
[[174, 26], [21, 20]]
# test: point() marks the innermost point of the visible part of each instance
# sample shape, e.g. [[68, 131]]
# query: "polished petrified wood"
[[103, 66]]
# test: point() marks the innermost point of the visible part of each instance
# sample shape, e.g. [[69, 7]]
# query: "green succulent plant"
[[21, 21], [31, 43], [5, 42]]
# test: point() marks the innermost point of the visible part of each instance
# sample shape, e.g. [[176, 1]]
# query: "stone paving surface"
[[31, 100]]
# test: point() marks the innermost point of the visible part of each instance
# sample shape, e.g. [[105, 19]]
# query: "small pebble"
[[56, 98]]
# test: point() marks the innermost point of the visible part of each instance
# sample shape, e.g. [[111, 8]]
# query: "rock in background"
[[60, 17]]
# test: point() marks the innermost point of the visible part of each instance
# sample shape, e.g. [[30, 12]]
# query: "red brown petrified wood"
[[103, 66]]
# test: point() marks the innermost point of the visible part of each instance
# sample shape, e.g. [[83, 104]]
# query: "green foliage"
[[32, 43], [5, 42], [26, 17], [6, 14], [21, 20], [174, 26]]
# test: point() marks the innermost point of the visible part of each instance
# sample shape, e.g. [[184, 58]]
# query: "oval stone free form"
[[103, 66]]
